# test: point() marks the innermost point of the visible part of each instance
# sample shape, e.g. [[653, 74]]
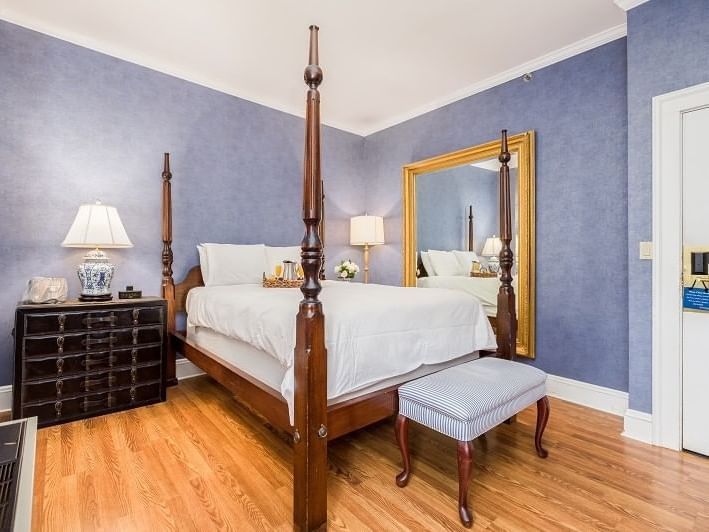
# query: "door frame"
[[667, 112]]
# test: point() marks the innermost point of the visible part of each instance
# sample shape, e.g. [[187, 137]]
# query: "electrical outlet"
[[646, 250]]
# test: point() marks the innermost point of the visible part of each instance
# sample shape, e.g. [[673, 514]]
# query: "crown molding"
[[543, 61], [143, 60], [627, 5]]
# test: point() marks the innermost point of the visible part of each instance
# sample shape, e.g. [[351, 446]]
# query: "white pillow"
[[445, 263], [203, 262], [276, 255], [466, 259], [427, 265], [229, 264]]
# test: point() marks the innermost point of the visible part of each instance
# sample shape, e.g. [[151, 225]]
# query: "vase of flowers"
[[346, 270]]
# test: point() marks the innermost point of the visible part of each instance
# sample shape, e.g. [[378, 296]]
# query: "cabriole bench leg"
[[542, 418], [465, 471], [402, 438]]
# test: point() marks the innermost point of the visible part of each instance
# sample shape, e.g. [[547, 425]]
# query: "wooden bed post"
[[168, 283], [506, 310], [322, 232], [310, 431]]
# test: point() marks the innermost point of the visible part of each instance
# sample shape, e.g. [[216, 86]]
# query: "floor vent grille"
[[13, 454]]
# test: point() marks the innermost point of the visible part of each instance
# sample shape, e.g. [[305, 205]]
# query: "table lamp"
[[96, 226], [366, 231], [491, 249]]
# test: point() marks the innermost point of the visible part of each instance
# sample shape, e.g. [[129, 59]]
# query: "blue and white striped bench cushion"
[[466, 401]]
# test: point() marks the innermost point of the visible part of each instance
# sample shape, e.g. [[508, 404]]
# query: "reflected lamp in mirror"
[[491, 249], [96, 226], [366, 231]]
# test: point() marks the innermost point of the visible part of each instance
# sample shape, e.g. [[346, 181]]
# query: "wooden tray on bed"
[[483, 274], [275, 282]]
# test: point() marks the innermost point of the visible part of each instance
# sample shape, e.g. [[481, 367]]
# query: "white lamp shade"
[[97, 226], [366, 230], [492, 247]]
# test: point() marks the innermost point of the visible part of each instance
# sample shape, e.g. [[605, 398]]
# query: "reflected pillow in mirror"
[[466, 259], [445, 263], [427, 265]]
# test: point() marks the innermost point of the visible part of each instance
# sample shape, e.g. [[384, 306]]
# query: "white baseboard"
[[6, 398], [186, 369], [590, 395], [637, 426]]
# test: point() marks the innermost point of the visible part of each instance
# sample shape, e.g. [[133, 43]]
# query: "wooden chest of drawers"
[[76, 360]]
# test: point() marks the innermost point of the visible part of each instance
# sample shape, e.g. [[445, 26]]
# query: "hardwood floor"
[[201, 462]]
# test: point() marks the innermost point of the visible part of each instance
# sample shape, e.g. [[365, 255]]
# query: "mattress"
[[266, 369], [372, 332]]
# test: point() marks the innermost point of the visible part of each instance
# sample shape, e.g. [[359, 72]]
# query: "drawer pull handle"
[[88, 342], [90, 361], [88, 383], [135, 336], [136, 313], [62, 320], [58, 408], [60, 387], [132, 393], [60, 344], [104, 319], [60, 366]]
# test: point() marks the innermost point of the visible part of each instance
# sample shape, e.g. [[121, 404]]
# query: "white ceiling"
[[384, 60]]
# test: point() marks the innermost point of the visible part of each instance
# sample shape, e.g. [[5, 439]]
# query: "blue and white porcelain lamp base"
[[96, 226], [95, 275]]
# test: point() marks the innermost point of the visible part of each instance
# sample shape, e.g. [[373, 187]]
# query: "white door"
[[695, 325]]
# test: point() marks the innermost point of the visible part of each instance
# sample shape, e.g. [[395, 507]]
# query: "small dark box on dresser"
[[76, 360]]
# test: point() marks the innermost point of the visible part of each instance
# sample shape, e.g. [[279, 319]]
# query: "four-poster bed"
[[314, 421]]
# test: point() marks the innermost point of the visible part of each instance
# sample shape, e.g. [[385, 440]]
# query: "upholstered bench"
[[466, 401]]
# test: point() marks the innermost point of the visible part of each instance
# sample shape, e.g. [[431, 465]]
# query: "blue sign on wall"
[[696, 299]]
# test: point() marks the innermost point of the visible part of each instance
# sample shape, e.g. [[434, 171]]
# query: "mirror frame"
[[523, 144]]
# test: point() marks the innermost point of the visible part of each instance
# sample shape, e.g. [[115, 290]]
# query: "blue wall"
[[442, 200], [76, 125], [578, 109], [668, 49]]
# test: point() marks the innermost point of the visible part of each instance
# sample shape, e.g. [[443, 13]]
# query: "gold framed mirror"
[[451, 209]]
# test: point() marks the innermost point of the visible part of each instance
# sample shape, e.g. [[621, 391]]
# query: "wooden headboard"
[[192, 280]]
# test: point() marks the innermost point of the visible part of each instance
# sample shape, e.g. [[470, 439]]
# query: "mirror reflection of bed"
[[451, 219], [456, 225]]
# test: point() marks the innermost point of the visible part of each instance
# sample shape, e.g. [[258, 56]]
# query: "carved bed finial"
[[506, 309], [313, 72]]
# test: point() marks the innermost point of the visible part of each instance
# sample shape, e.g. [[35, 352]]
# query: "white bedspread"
[[372, 332]]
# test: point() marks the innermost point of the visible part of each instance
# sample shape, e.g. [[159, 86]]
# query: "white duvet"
[[372, 332]]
